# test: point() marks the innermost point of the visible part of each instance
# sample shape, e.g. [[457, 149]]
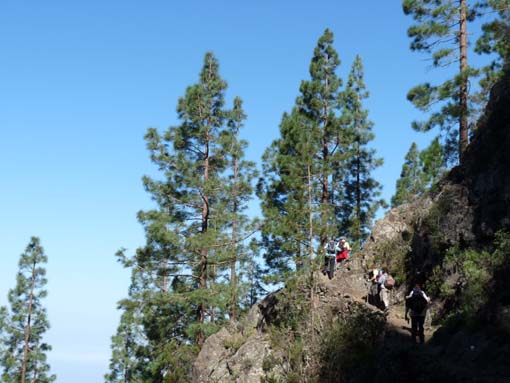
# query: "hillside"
[[324, 331]]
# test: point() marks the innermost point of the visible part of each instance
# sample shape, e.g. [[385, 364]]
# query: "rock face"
[[467, 208], [242, 355], [210, 364], [486, 173], [218, 360], [236, 356]]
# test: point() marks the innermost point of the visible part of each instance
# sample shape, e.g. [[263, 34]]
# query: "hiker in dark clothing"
[[373, 290], [416, 303]]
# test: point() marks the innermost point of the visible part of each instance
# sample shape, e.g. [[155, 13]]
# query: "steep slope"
[[324, 331], [253, 351]]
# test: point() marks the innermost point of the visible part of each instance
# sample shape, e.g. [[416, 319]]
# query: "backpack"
[[330, 249], [417, 303], [389, 283]]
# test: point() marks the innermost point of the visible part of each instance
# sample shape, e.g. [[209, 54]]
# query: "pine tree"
[[185, 279], [361, 190], [239, 192], [410, 183], [495, 40], [189, 228], [318, 103], [126, 364], [441, 30], [24, 358], [421, 170], [251, 276], [297, 191], [124, 361], [3, 326], [152, 343], [284, 191], [432, 163]]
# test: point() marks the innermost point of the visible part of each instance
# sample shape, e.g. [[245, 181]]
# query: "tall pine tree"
[[189, 226], [410, 183], [421, 170], [361, 191], [441, 31], [185, 280], [284, 193], [125, 361], [432, 163], [24, 356], [318, 104], [298, 191], [238, 192]]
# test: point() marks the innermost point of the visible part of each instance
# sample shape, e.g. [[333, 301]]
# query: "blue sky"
[[80, 82]]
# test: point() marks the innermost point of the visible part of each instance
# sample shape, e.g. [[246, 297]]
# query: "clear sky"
[[81, 81]]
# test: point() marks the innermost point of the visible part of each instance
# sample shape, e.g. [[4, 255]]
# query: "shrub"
[[478, 275], [234, 342], [349, 347]]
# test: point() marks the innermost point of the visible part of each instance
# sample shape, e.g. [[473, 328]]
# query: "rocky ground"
[[238, 356]]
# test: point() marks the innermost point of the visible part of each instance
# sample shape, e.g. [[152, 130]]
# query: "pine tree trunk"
[[311, 324], [358, 184], [233, 280], [325, 184], [203, 252], [164, 287], [27, 328], [325, 194], [36, 370], [126, 373], [463, 122], [310, 219]]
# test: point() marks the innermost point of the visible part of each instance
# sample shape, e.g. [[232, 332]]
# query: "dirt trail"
[[398, 357], [395, 322], [351, 282]]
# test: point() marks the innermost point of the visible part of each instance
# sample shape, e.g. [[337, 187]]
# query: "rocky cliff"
[[324, 331]]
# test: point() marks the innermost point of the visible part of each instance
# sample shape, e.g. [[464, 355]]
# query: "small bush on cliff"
[[394, 255], [478, 275], [501, 256], [434, 224], [234, 342], [348, 348], [288, 330]]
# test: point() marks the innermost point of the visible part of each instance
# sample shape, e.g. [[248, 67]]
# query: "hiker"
[[374, 272], [417, 302], [343, 250], [384, 293], [330, 257], [373, 290]]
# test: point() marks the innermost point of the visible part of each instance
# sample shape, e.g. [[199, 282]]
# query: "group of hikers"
[[416, 303], [381, 283], [336, 252]]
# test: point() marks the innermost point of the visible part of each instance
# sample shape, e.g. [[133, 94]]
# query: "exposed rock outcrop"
[[242, 356]]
